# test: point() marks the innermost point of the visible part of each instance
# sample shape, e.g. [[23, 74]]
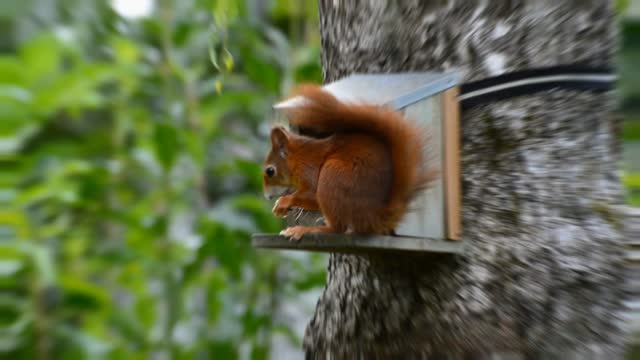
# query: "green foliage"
[[622, 5], [631, 130], [134, 148], [632, 183], [628, 68], [630, 96]]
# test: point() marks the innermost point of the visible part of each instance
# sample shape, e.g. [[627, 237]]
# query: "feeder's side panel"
[[427, 216], [451, 165]]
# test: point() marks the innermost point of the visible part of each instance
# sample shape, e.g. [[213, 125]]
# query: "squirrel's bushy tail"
[[323, 114]]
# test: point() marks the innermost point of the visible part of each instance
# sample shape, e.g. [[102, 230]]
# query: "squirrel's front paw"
[[281, 207], [294, 233]]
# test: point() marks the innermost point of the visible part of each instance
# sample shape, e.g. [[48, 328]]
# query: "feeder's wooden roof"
[[396, 90]]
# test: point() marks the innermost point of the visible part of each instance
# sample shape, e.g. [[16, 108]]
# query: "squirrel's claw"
[[280, 209], [293, 233]]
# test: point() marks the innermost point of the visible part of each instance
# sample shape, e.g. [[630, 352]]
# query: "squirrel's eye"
[[270, 171]]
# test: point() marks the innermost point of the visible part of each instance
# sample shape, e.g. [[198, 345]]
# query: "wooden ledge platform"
[[334, 243]]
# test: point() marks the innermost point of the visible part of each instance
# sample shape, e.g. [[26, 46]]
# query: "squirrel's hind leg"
[[295, 233]]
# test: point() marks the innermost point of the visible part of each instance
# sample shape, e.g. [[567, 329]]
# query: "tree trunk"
[[542, 276]]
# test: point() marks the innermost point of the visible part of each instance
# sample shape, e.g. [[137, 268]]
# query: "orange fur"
[[362, 173]]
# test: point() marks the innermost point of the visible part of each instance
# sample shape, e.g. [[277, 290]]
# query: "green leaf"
[[633, 198], [14, 313], [632, 180], [259, 352], [125, 51], [228, 247], [226, 11], [80, 295], [253, 172], [128, 326], [144, 308], [166, 144], [228, 61], [215, 286], [622, 5], [253, 322], [631, 130], [13, 144], [213, 57], [11, 70], [80, 89], [42, 55], [223, 350], [42, 262]]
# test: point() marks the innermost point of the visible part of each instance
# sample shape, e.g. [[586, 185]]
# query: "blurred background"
[[132, 134]]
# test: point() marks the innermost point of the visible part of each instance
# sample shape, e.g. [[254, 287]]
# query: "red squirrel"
[[361, 173]]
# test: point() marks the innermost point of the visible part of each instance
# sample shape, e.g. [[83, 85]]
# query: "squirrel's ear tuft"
[[279, 139]]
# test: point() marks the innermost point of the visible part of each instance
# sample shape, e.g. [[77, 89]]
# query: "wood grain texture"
[[348, 244], [451, 163]]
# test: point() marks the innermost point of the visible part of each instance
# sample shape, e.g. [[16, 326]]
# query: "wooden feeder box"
[[433, 225]]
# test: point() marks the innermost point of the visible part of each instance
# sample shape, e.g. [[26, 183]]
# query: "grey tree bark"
[[543, 273]]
